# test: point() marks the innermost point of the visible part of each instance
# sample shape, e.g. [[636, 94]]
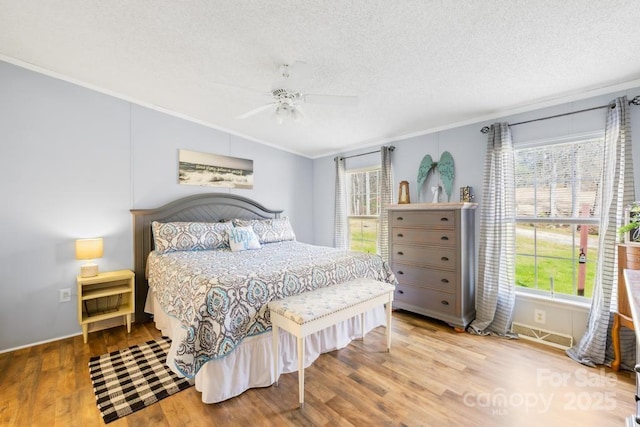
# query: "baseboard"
[[8, 350], [93, 327]]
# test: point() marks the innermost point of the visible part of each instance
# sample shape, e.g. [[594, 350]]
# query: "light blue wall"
[[281, 180], [73, 163]]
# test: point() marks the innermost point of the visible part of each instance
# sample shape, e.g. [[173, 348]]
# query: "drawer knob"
[[444, 218], [444, 258], [400, 253], [400, 235], [445, 280], [400, 272], [400, 218], [444, 238], [444, 302], [400, 291]]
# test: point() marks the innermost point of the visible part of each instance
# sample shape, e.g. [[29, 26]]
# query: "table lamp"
[[89, 249]]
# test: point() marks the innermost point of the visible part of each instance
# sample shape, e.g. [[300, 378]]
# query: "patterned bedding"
[[220, 297]]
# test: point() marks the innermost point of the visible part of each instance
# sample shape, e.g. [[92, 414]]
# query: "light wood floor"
[[433, 376]]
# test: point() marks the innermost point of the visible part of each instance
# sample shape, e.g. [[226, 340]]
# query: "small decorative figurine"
[[436, 193]]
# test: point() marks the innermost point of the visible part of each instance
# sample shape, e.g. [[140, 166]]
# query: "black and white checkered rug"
[[128, 380]]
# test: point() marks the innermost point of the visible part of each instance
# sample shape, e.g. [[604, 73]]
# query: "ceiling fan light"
[[281, 113]]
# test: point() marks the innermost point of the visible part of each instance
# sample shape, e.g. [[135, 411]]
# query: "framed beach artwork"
[[213, 170]]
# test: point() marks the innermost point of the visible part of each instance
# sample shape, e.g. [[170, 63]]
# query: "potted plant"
[[631, 228]]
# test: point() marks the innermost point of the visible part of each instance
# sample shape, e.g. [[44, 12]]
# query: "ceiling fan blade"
[[297, 114], [256, 111], [331, 99]]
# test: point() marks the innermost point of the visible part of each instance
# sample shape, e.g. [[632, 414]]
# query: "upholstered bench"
[[304, 314]]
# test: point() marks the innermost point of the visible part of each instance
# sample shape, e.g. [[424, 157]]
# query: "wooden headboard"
[[209, 207]]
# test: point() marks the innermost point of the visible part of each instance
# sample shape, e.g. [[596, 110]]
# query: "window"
[[558, 216], [363, 214]]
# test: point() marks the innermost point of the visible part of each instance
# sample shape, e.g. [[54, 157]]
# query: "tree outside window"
[[558, 216], [363, 192]]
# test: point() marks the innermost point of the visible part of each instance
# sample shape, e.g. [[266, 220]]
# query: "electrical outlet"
[[65, 295], [539, 316]]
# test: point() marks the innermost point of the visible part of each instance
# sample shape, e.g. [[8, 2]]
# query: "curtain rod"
[[391, 148], [634, 101]]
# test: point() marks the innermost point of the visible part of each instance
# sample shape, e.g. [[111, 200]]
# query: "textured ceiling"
[[416, 66]]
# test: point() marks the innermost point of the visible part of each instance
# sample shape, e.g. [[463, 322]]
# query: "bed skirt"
[[250, 365]]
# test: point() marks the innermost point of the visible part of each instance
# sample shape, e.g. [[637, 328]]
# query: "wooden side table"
[[105, 296], [628, 258]]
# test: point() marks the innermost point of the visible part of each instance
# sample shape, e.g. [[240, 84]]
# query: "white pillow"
[[243, 238]]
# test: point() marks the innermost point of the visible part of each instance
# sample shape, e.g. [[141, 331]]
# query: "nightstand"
[[105, 296]]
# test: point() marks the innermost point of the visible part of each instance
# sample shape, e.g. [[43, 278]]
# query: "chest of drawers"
[[432, 254]]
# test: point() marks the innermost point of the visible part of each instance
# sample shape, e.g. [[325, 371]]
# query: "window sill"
[[565, 303]]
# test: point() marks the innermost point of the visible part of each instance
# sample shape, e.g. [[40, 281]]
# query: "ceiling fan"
[[287, 100]]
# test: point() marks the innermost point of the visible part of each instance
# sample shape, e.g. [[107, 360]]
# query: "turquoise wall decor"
[[446, 168]]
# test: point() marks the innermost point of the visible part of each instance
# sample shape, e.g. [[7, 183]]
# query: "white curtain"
[[495, 293], [386, 198], [617, 192], [340, 213]]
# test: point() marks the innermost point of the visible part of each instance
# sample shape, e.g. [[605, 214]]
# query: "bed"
[[212, 300]]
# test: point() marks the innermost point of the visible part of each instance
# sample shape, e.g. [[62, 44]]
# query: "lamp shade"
[[89, 248]]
